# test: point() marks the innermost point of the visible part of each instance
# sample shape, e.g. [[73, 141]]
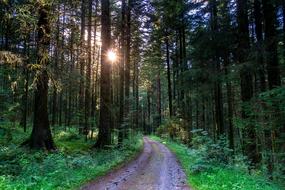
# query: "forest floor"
[[155, 169], [72, 165], [133, 168]]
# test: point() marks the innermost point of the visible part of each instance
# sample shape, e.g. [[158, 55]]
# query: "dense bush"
[[208, 153]]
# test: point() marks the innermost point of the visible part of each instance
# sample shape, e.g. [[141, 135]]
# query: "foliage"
[[174, 128], [10, 58], [208, 153], [74, 164], [219, 177]]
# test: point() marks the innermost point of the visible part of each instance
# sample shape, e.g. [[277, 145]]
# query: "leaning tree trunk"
[[41, 137], [104, 136]]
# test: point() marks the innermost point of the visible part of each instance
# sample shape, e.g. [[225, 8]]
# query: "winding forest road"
[[155, 169]]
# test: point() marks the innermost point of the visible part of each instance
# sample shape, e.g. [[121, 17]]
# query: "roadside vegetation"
[[208, 166], [72, 165]]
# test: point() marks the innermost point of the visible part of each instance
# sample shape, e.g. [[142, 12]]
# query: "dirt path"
[[155, 169]]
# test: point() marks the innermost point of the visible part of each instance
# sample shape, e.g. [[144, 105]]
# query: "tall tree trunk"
[[258, 33], [56, 60], [273, 69], [60, 109], [41, 136], [273, 72], [189, 115], [219, 119], [104, 136], [121, 73], [71, 70], [180, 72], [250, 147], [23, 122], [88, 71], [82, 62], [225, 53], [148, 112], [136, 97], [127, 63], [158, 88], [168, 78], [230, 103], [95, 62], [25, 100]]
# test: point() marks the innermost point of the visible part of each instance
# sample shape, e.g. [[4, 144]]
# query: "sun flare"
[[111, 55]]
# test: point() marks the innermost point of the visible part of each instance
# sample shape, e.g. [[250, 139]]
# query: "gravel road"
[[155, 169]]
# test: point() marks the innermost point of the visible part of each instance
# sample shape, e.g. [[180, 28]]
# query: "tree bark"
[[25, 96], [158, 88], [88, 72], [41, 137], [95, 62], [250, 147], [104, 136], [127, 64], [82, 62], [121, 73], [270, 34], [168, 78], [219, 119], [273, 72], [56, 60], [230, 103], [258, 33]]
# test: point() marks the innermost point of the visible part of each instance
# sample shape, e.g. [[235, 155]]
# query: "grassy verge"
[[73, 165], [218, 178]]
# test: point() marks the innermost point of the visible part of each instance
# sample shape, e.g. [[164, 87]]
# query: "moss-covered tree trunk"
[[41, 137]]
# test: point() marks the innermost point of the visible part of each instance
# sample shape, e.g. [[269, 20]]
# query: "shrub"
[[208, 153], [174, 128]]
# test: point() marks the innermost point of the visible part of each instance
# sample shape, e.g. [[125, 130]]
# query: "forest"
[[142, 94]]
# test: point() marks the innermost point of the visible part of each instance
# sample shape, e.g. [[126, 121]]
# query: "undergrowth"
[[71, 166], [206, 168]]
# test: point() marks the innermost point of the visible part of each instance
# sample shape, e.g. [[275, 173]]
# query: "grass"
[[219, 178], [74, 164]]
